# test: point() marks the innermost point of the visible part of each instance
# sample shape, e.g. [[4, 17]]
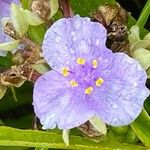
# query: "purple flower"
[[4, 12], [87, 78]]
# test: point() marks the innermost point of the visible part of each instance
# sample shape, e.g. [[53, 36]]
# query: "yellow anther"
[[88, 90], [99, 81], [81, 61], [65, 71], [74, 83], [94, 63]]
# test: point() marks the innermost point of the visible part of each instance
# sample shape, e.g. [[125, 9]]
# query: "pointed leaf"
[[31, 138]]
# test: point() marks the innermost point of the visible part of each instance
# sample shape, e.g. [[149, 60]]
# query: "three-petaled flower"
[[87, 78]]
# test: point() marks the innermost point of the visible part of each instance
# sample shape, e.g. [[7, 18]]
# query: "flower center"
[[83, 75]]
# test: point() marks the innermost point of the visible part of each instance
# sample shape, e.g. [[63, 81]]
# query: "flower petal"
[[69, 39], [57, 104], [120, 99]]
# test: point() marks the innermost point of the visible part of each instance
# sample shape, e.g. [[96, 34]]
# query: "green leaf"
[[36, 33], [31, 138], [13, 92], [54, 5], [9, 46], [38, 148], [19, 21], [144, 16], [141, 127], [32, 18], [131, 137], [98, 124], [6, 61]]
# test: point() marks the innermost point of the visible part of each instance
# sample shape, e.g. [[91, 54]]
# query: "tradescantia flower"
[[4, 12], [87, 78]]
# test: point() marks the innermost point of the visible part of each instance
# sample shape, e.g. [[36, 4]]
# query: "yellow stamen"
[[99, 81], [88, 90], [65, 71], [81, 61], [94, 63], [74, 83]]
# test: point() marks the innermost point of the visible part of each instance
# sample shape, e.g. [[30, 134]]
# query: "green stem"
[[144, 16]]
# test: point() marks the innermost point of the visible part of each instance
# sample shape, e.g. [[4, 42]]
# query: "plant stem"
[[144, 16]]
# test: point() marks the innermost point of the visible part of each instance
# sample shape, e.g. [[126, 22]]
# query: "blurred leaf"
[[131, 137], [14, 148], [9, 46], [26, 3], [38, 148], [84, 8], [141, 127], [120, 130], [6, 61], [29, 138], [147, 105], [36, 33], [24, 96], [23, 122], [19, 22], [54, 5]]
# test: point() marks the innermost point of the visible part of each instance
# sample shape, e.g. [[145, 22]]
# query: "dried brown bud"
[[114, 18], [41, 8], [17, 58], [89, 130], [9, 30]]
